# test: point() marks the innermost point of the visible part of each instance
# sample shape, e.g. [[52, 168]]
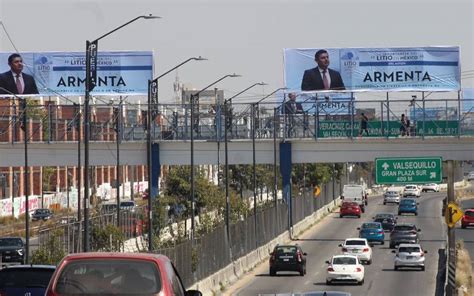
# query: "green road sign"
[[408, 170]]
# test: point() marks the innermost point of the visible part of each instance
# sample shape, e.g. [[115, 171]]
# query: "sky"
[[246, 37]]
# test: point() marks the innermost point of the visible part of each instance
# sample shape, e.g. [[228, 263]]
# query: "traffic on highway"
[[361, 257]]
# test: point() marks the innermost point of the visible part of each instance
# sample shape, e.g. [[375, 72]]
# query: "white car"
[[409, 255], [391, 196], [470, 176], [345, 268], [411, 191], [430, 187], [358, 247]]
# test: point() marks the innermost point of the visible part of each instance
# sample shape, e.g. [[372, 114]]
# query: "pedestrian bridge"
[[324, 132], [178, 152]]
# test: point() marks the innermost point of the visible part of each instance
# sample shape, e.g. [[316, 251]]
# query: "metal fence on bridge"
[[318, 118]]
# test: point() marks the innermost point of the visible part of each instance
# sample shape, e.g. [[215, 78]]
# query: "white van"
[[355, 193]]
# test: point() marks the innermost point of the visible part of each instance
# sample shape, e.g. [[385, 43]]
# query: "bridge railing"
[[313, 119]]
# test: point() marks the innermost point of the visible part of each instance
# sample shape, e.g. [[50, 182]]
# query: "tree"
[[108, 239], [52, 252]]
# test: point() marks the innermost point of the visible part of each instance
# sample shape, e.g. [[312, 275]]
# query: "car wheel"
[[361, 282], [416, 213], [328, 282], [392, 246], [369, 262], [399, 213], [340, 216], [395, 268], [382, 243], [384, 203], [463, 226], [302, 272], [422, 268], [272, 272]]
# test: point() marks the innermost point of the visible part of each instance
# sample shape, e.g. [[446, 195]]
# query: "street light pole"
[[193, 126], [118, 139], [152, 112], [228, 126], [255, 117], [91, 78], [27, 187], [24, 127], [79, 175]]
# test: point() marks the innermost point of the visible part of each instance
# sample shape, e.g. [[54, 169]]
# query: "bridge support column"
[[155, 170], [285, 170]]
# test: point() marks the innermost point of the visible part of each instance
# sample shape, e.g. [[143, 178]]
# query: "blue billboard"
[[372, 69], [118, 73]]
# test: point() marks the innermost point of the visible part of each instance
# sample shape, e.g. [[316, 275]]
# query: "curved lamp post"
[[91, 78], [151, 115], [193, 126], [227, 126]]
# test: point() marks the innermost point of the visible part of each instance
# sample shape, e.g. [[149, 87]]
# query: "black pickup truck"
[[12, 250]]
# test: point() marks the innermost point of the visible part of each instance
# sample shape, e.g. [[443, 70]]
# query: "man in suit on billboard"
[[321, 77], [15, 81]]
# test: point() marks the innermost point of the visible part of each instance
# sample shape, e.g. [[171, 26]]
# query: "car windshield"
[[127, 204], [408, 249], [355, 242], [370, 226], [109, 276], [285, 250], [42, 211], [410, 187], [25, 277], [469, 213], [384, 216], [407, 202], [350, 204], [11, 242], [391, 193], [404, 228], [344, 261], [384, 221]]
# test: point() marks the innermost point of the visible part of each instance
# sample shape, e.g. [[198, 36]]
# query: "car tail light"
[[413, 232], [358, 269], [49, 293], [366, 249], [344, 249], [330, 269], [422, 254], [380, 231], [272, 258], [298, 254]]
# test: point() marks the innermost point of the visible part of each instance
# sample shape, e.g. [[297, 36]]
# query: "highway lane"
[[321, 242]]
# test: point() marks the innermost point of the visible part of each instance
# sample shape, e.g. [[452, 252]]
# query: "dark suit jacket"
[[290, 110], [312, 80], [8, 82]]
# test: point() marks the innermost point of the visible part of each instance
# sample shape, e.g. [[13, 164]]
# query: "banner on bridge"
[[118, 72], [373, 69], [338, 129]]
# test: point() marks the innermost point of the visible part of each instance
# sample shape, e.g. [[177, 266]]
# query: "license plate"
[[372, 233], [350, 209], [409, 257], [8, 257], [286, 260], [355, 251]]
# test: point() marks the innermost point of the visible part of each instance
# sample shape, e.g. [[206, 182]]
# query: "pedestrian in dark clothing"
[[363, 125], [404, 126]]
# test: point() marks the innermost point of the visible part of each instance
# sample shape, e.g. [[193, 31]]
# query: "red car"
[[468, 218], [117, 274], [350, 209]]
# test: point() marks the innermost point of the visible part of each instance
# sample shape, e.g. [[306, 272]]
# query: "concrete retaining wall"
[[213, 284]]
